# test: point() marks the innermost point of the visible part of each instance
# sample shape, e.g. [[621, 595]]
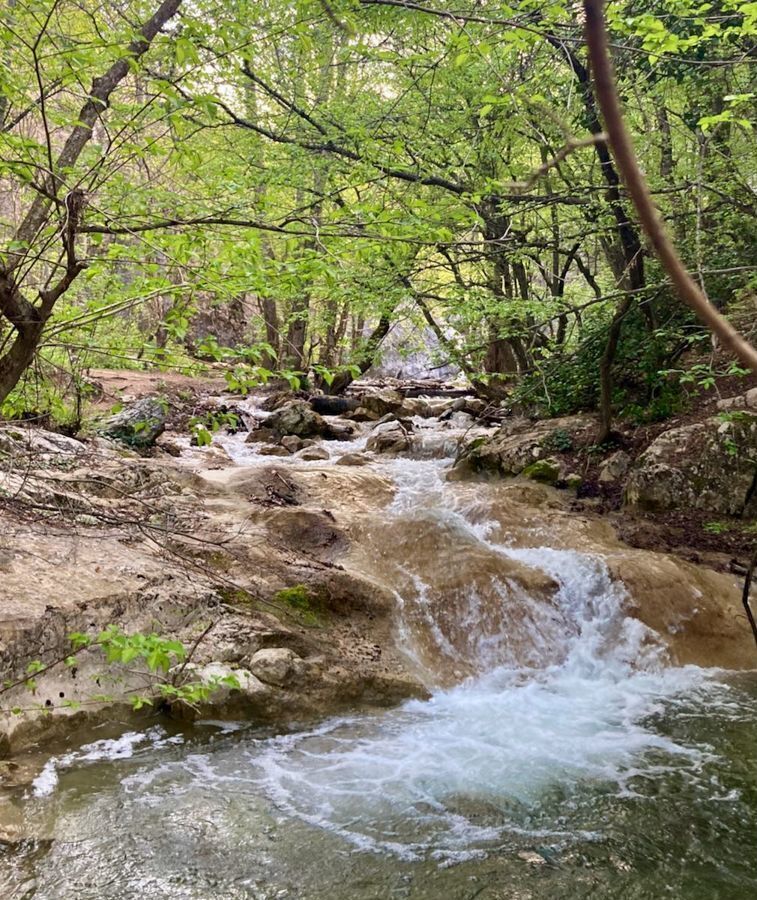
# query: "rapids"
[[559, 755]]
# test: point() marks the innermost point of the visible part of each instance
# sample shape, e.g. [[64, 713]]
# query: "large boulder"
[[297, 417], [520, 443], [710, 465], [138, 424]]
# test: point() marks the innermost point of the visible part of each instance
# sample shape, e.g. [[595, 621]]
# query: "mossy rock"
[[546, 471]]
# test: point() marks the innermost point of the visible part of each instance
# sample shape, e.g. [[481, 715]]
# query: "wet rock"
[[382, 402], [353, 459], [292, 443], [546, 471], [391, 437], [361, 414], [138, 425], [615, 467], [311, 531], [696, 612], [342, 432], [297, 418], [277, 666], [414, 406], [475, 407], [708, 465], [260, 435], [334, 406], [273, 450], [456, 406], [520, 443], [438, 406], [311, 454]]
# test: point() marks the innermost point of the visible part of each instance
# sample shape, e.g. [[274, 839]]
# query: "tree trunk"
[[29, 318], [344, 379], [605, 369]]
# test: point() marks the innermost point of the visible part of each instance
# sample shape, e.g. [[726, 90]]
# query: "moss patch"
[[545, 470]]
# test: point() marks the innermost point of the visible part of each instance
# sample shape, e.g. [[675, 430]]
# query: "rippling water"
[[583, 769]]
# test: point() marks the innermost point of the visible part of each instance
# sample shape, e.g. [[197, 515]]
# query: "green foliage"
[[298, 597], [205, 426], [163, 660], [559, 440], [156, 652], [294, 179]]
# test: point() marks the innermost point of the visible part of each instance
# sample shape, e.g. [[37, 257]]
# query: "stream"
[[564, 759]]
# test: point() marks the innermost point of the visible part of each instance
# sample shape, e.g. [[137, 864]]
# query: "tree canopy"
[[330, 170]]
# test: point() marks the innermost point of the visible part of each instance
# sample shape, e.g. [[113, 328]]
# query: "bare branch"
[[651, 221]]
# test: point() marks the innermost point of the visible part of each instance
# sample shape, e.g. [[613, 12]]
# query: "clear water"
[[573, 763]]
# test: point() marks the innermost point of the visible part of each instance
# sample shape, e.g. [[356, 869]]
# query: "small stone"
[[275, 665], [273, 450], [533, 859], [292, 443], [353, 459], [311, 454], [573, 481], [260, 436]]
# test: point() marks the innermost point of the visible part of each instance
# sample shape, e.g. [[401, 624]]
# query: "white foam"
[[573, 715], [122, 747]]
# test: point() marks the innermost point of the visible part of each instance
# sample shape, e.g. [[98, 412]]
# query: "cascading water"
[[561, 762], [561, 707]]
